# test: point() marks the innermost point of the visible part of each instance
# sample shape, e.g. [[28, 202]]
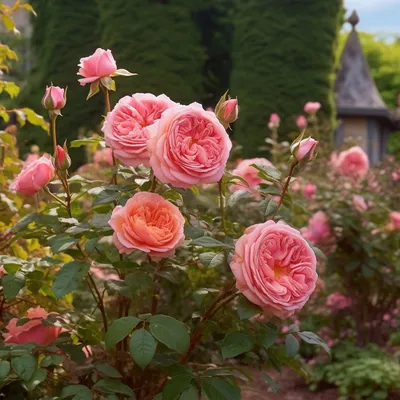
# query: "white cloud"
[[369, 5]]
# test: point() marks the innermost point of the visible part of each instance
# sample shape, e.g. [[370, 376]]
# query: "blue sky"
[[376, 16]]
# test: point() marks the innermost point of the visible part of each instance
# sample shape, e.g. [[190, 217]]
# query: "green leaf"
[[8, 22], [268, 172], [12, 284], [220, 389], [190, 394], [38, 377], [74, 351], [169, 331], [246, 309], [106, 197], [24, 222], [12, 89], [142, 347], [267, 336], [108, 371], [61, 242], [100, 221], [176, 386], [84, 142], [193, 232], [4, 369], [73, 390], [110, 386], [209, 242], [51, 360], [24, 366], [119, 329], [211, 260], [292, 345], [236, 343], [312, 338], [268, 207], [70, 276], [271, 382]]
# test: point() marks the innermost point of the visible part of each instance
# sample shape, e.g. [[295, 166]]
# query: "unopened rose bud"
[[62, 160], [54, 98], [274, 121], [304, 149], [312, 107], [227, 110], [301, 122]]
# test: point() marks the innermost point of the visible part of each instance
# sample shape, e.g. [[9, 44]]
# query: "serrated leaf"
[[236, 343], [12, 284], [209, 242], [220, 389], [38, 377], [83, 142], [70, 276], [246, 309], [211, 260], [61, 243], [271, 382], [142, 347], [167, 330], [4, 369], [119, 329], [176, 386], [108, 370], [24, 366], [51, 360], [312, 338], [73, 390], [292, 345], [113, 386]]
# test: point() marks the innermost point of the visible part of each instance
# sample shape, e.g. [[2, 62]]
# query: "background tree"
[[278, 72]]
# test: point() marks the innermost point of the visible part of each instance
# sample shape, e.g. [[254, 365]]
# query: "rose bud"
[[274, 121], [62, 160], [228, 111], [312, 107], [305, 148], [54, 98], [301, 122]]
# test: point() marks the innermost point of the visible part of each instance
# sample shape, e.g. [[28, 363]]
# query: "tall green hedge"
[[158, 40], [283, 56], [63, 32]]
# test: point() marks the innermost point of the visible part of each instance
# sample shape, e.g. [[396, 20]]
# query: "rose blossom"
[[337, 302], [188, 146], [103, 156], [309, 191], [248, 173], [359, 203], [148, 223], [33, 331], [100, 64], [304, 148], [34, 176], [275, 268], [301, 122], [31, 157], [274, 121], [353, 163], [312, 107], [125, 128], [318, 231], [394, 218]]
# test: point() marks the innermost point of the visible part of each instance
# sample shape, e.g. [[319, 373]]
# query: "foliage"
[[264, 56], [367, 373]]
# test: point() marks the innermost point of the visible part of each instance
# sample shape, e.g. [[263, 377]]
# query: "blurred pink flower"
[[310, 191], [359, 203], [319, 230], [394, 220], [337, 302], [353, 163], [249, 174], [312, 107], [274, 121], [301, 121], [103, 156]]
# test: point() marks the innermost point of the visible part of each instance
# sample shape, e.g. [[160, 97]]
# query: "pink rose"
[[394, 217], [301, 122], [396, 175], [62, 159], [304, 149], [126, 126], [333, 159], [337, 302], [309, 191], [274, 121], [33, 331], [96, 66], [318, 231], [249, 174], [103, 156], [353, 163], [31, 157], [148, 223], [188, 146], [104, 274], [34, 176], [359, 203], [275, 268], [54, 98], [312, 107], [227, 112]]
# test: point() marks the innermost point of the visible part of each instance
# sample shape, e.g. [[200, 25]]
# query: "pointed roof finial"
[[354, 19]]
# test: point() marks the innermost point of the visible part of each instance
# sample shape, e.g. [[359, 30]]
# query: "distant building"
[[362, 114]]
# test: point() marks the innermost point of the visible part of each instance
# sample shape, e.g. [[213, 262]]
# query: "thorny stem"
[[285, 188], [99, 302]]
